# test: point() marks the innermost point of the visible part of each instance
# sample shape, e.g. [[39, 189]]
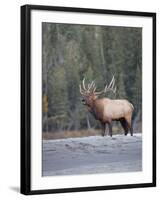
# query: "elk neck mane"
[[97, 107]]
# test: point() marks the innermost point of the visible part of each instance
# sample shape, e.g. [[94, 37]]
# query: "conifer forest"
[[71, 52]]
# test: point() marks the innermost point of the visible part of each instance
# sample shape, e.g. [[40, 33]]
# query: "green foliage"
[[72, 52]]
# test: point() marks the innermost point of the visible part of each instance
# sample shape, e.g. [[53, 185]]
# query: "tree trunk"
[[88, 122]]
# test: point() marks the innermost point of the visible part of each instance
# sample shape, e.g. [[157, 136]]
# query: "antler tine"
[[111, 85], [94, 89], [105, 89], [83, 82], [114, 91], [80, 89], [113, 79], [113, 88], [94, 84], [91, 85]]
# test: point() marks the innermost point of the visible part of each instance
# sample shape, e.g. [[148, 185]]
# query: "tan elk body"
[[107, 110]]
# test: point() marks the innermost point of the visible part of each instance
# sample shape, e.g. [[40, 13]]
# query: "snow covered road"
[[94, 154]]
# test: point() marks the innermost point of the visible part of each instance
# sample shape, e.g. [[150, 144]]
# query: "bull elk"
[[107, 110]]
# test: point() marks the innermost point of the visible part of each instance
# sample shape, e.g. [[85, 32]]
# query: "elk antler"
[[89, 90], [82, 88], [110, 87], [92, 88]]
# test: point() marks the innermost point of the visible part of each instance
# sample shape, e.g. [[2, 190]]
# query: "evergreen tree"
[[72, 52]]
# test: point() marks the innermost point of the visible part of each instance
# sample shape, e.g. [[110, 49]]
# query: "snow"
[[90, 155]]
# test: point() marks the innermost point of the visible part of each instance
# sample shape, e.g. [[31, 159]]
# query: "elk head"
[[90, 94]]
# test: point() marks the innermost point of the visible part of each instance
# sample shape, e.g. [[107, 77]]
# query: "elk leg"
[[110, 129], [124, 125], [106, 129], [130, 126], [103, 129], [131, 130]]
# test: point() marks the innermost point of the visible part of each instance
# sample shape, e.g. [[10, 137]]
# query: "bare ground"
[[93, 154]]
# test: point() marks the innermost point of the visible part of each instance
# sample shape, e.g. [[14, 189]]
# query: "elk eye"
[[83, 100]]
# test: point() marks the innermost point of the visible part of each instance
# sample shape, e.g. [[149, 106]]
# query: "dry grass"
[[80, 133], [68, 134]]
